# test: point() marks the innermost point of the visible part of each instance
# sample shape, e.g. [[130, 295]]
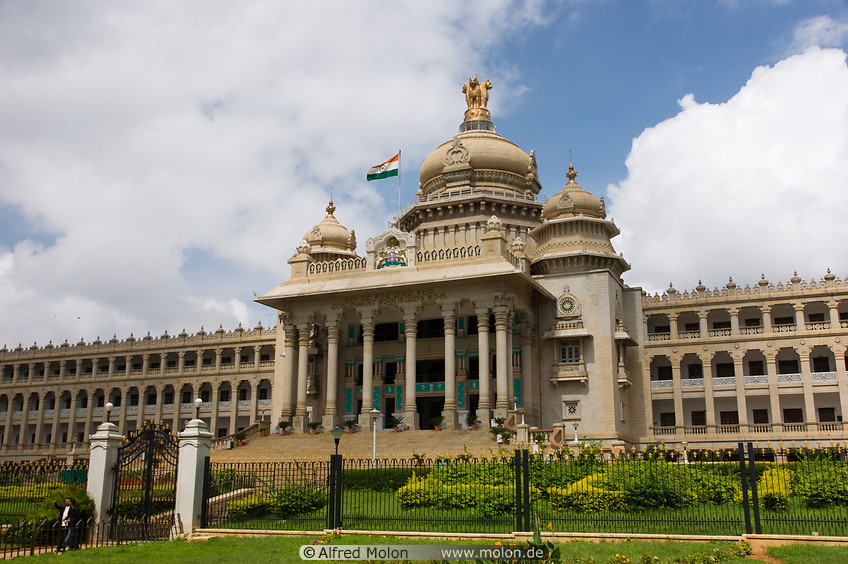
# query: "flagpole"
[[398, 184]]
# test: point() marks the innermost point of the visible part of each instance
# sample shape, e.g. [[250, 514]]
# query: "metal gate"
[[145, 484]]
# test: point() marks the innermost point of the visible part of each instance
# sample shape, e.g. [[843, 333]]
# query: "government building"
[[481, 299]]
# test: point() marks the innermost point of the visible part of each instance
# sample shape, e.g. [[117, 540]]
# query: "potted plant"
[[240, 437], [418, 458], [540, 438], [506, 435], [394, 422], [437, 422], [313, 427], [349, 425], [472, 421], [284, 426]]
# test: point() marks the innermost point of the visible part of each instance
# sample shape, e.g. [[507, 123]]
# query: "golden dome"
[[573, 200], [330, 236]]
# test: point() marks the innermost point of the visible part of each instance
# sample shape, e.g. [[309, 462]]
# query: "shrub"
[[821, 482], [381, 479], [486, 500], [774, 488], [47, 510], [650, 485], [586, 497], [464, 473], [297, 499], [249, 507]]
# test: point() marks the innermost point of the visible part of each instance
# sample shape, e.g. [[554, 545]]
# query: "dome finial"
[[571, 174], [331, 208]]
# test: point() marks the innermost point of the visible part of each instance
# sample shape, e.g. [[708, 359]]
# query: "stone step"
[[390, 444]]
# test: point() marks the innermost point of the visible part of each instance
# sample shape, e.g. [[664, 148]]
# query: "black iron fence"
[[691, 492], [25, 485]]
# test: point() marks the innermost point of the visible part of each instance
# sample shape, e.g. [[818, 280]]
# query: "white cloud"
[[138, 140], [820, 31], [754, 185]]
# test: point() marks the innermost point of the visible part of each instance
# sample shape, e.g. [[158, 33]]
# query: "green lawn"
[[286, 549]]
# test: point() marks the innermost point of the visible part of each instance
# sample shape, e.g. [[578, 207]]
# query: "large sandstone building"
[[481, 298]]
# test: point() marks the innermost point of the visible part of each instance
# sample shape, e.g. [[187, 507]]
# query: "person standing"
[[70, 516]]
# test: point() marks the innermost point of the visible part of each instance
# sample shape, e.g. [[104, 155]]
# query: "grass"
[[807, 554], [286, 549]]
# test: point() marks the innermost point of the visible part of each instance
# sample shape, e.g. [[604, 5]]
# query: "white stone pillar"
[[330, 418], [449, 413], [302, 367], [503, 372], [195, 444], [367, 371], [410, 409], [287, 376], [484, 407], [103, 451]]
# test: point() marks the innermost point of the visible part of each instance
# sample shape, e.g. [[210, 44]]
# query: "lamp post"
[[109, 408], [374, 413], [337, 436], [197, 403], [576, 440], [685, 446]]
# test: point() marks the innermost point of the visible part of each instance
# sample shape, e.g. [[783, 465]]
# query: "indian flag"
[[389, 168]]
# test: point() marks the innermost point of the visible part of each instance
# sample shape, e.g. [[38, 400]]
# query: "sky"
[[160, 161]]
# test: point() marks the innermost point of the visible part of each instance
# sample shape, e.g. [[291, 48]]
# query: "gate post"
[[195, 444], [103, 450]]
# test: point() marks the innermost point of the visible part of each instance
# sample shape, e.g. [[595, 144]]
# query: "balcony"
[[570, 372], [662, 384], [692, 383]]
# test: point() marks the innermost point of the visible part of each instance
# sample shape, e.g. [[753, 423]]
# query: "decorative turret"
[[329, 239]]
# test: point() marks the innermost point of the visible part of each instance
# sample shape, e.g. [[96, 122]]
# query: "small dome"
[[330, 236], [573, 200]]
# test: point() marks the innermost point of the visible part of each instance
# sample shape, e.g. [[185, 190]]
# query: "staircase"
[[304, 446]]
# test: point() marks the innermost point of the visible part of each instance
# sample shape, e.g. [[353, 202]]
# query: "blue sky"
[[159, 163]]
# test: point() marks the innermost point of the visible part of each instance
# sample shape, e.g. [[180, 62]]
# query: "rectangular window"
[[207, 362], [662, 329], [171, 364], [793, 415], [721, 325], [725, 370], [571, 410], [386, 332], [756, 368], [664, 373], [760, 416], [204, 396], [134, 399], [264, 357], [729, 417], [692, 327], [263, 393], [431, 329], [169, 398], [569, 351], [153, 366], [699, 418], [390, 372], [755, 322], [827, 414], [667, 419], [186, 397], [243, 358], [151, 399], [191, 362], [83, 403], [226, 360], [784, 320], [787, 367], [243, 394], [821, 364], [696, 371], [815, 317], [224, 395]]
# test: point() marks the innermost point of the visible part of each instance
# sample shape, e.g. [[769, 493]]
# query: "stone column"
[[810, 416], [410, 408], [300, 422], [502, 370], [709, 397], [178, 399], [39, 421], [125, 404], [145, 364], [528, 384], [766, 309], [677, 389], [54, 429], [111, 373], [103, 451], [741, 402], [72, 417], [484, 407], [774, 392], [218, 352], [288, 374], [367, 371], [89, 414], [734, 322], [330, 418], [234, 409], [7, 429], [674, 332], [703, 325], [237, 358], [841, 382], [449, 413], [139, 414], [213, 418], [160, 393], [833, 310], [195, 444]]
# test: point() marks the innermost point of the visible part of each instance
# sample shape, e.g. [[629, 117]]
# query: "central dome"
[[478, 157]]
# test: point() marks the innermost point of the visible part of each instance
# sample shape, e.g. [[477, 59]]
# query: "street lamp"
[[685, 452], [197, 403], [109, 408], [576, 440], [337, 436], [374, 413]]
